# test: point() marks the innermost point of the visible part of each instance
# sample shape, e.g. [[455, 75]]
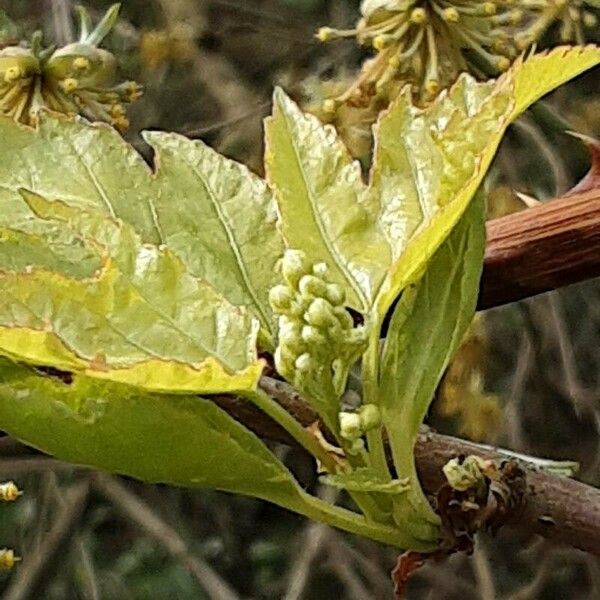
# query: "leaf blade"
[[322, 200], [140, 319], [179, 440], [427, 326], [92, 167], [460, 132]]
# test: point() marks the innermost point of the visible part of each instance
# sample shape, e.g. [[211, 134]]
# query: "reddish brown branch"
[[558, 508], [541, 249]]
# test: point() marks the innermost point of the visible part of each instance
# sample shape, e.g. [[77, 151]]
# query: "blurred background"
[[527, 377]]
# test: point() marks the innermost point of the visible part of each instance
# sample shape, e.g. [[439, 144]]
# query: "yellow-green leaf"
[[427, 165], [179, 440], [217, 216], [427, 325], [141, 318], [429, 162], [321, 197]]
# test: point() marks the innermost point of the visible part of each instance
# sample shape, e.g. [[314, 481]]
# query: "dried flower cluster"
[[428, 43], [76, 79]]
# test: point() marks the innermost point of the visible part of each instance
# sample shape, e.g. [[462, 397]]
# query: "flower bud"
[[320, 314], [350, 426], [320, 269], [343, 317], [290, 333], [335, 294], [370, 416], [284, 360], [91, 66], [304, 362], [309, 284], [311, 335], [280, 298], [293, 265]]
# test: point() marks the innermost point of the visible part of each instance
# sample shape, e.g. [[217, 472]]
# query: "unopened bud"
[[310, 284], [335, 294], [311, 335], [350, 426], [293, 266], [319, 313], [280, 298], [370, 416], [9, 492], [304, 362]]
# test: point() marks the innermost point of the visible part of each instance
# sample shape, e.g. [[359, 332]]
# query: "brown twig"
[[541, 249], [558, 508]]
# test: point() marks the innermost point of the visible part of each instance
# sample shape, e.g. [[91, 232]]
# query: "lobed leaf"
[[217, 216], [320, 195], [140, 318], [429, 162]]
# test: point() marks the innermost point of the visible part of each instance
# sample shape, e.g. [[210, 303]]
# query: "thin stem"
[[312, 445], [370, 381], [344, 519], [308, 441]]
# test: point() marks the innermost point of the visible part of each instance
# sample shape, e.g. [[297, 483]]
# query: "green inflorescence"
[[318, 341], [78, 78]]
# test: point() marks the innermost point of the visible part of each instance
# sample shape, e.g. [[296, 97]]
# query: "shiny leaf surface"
[[217, 216]]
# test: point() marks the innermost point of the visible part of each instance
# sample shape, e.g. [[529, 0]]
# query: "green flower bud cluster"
[[76, 79], [317, 340], [428, 43], [467, 473], [353, 425]]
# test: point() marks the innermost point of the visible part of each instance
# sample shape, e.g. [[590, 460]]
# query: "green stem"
[[319, 510], [370, 382], [308, 441], [312, 445]]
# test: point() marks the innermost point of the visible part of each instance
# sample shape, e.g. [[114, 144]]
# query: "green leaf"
[[217, 216], [179, 440], [140, 318], [427, 326], [223, 224], [320, 194], [429, 162]]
